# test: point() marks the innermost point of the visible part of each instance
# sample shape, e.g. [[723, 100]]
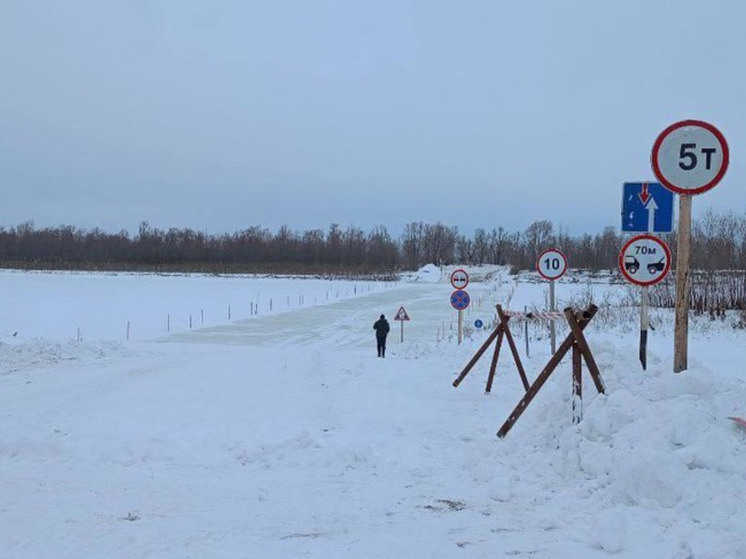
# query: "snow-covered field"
[[281, 434]]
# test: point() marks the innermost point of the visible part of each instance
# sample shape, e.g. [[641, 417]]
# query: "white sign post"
[[459, 281], [689, 157], [552, 265]]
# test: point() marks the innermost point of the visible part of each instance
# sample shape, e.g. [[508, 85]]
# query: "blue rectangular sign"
[[647, 207]]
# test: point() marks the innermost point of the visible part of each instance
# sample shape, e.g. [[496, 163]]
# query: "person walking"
[[381, 327]]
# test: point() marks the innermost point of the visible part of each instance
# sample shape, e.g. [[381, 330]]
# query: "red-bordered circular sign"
[[644, 260], [551, 264], [460, 299], [459, 279], [690, 157]]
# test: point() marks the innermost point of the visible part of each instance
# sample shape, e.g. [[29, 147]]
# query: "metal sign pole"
[[644, 323], [552, 307], [683, 284], [460, 325], [402, 331]]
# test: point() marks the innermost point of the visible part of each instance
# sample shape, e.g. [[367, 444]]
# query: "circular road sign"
[[551, 264], [460, 299], [459, 279], [645, 260], [690, 157], [478, 323]]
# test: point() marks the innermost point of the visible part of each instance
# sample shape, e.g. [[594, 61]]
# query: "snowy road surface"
[[284, 436]]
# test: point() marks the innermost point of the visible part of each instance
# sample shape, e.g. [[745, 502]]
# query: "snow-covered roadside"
[[109, 306], [285, 436]]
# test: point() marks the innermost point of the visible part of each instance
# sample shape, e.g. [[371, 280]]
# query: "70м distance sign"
[[645, 260]]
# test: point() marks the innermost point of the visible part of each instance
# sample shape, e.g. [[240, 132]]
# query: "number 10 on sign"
[[552, 265]]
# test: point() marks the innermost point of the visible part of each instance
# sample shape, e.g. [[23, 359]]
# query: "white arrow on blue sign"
[[647, 207]]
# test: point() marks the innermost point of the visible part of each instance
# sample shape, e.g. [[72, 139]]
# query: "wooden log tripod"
[[576, 341], [502, 330]]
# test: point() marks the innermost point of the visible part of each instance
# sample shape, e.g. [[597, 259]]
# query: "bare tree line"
[[718, 243]]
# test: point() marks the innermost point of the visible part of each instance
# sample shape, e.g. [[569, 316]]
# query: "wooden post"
[[495, 356], [582, 345], [477, 355], [683, 284], [513, 348]]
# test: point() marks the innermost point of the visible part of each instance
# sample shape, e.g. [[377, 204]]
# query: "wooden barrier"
[[580, 351], [501, 331]]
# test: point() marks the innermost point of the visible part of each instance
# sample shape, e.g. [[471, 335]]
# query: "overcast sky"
[[222, 114]]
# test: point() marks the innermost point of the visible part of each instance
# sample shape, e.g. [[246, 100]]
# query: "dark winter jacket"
[[381, 327]]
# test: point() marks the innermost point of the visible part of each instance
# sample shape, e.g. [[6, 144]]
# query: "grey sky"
[[222, 114]]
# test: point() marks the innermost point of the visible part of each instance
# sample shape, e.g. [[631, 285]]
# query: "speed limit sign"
[[551, 264], [690, 157]]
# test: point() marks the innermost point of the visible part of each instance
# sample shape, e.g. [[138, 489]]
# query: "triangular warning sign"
[[401, 314]]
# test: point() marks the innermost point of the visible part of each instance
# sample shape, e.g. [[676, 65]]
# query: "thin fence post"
[[202, 317], [168, 323], [229, 312], [128, 330], [190, 321]]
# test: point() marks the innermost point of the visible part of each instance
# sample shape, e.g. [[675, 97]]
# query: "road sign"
[[478, 323], [401, 314], [644, 260], [690, 157], [459, 279], [647, 207], [460, 299], [551, 264]]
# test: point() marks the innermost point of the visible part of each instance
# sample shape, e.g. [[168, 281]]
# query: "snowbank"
[[429, 273], [284, 436]]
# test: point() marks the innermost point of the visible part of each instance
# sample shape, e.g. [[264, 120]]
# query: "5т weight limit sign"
[[690, 157]]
